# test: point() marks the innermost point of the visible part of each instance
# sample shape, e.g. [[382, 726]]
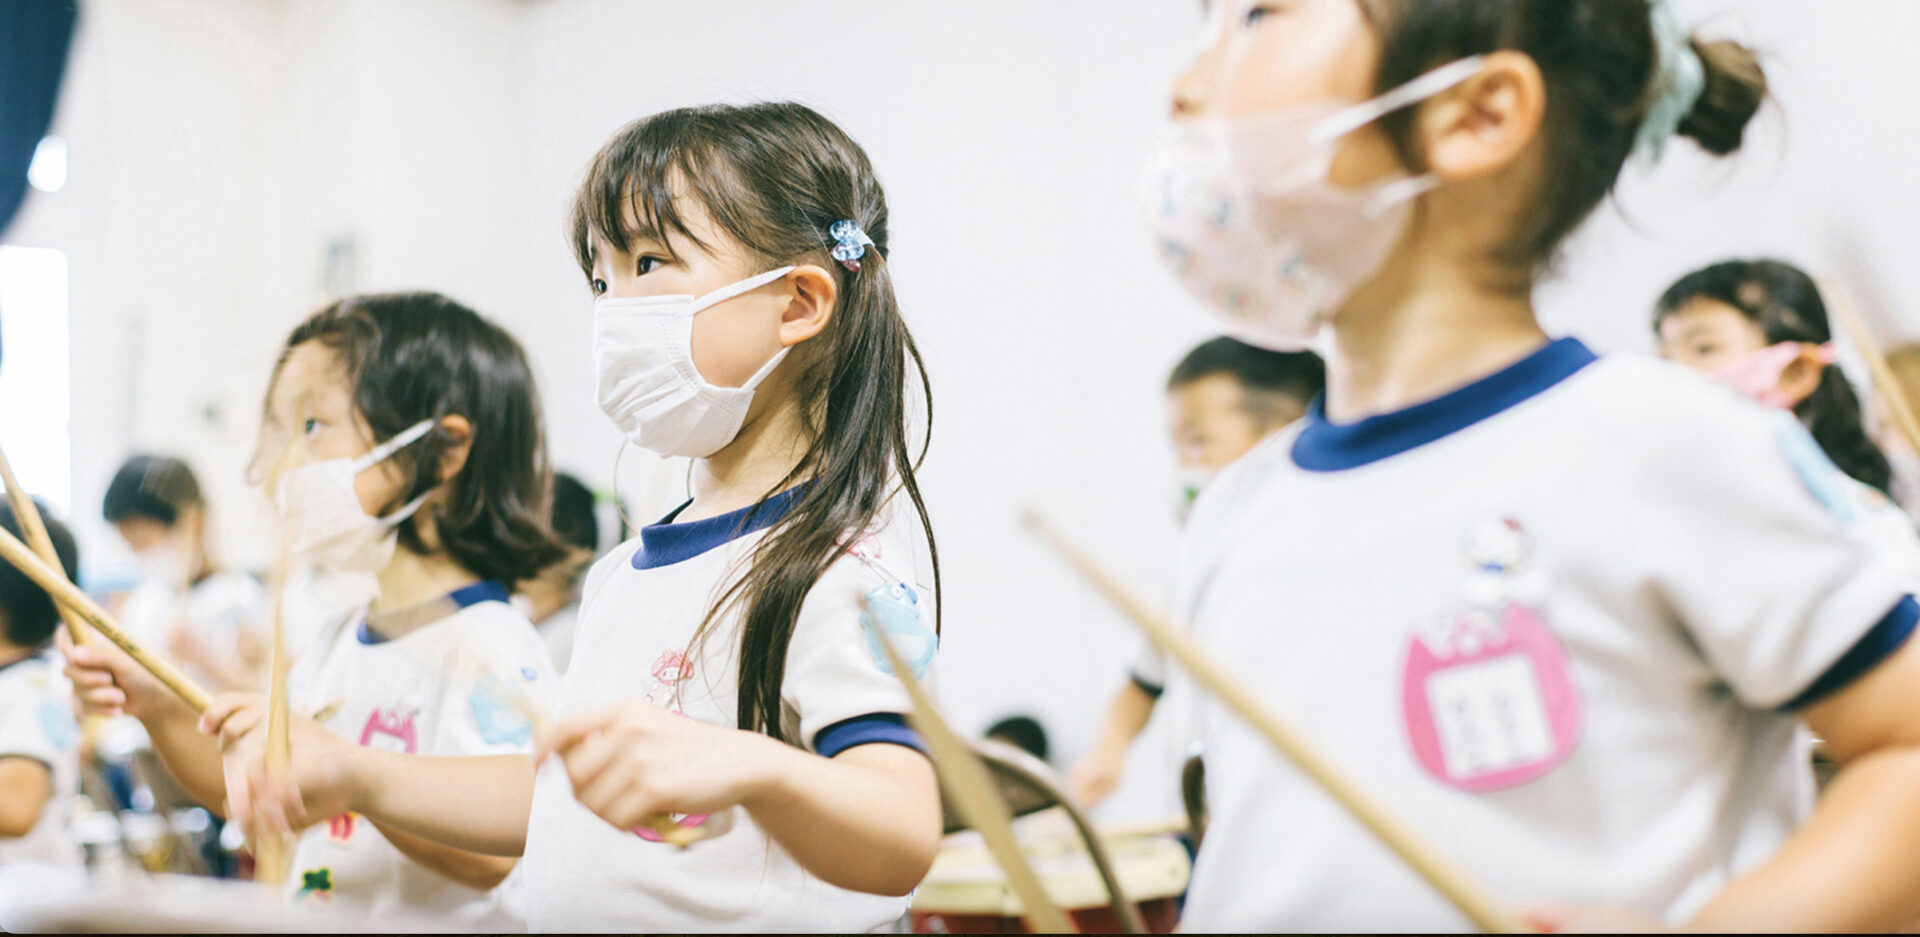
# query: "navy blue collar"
[[464, 597], [1325, 446], [667, 543]]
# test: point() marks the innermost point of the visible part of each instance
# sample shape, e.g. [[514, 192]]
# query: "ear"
[[454, 457], [1801, 377], [1485, 124], [811, 306]]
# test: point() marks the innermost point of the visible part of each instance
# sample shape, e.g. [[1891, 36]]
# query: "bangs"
[[629, 192]]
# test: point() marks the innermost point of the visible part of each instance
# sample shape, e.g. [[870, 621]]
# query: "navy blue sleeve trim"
[[1879, 644], [1147, 686], [870, 729]]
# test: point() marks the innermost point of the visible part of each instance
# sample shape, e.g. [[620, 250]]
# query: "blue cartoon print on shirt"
[[895, 610], [56, 720], [500, 721], [1824, 480]]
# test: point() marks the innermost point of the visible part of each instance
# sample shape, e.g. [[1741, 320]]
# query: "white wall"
[[218, 148]]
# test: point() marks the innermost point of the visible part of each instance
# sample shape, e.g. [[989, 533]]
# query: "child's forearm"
[[1855, 866], [471, 869], [25, 787], [867, 820], [478, 803], [191, 757], [1129, 713]]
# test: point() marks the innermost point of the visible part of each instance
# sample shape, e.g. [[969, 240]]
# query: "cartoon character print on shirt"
[[390, 731], [316, 884], [387, 730], [1833, 488], [892, 609], [57, 722], [670, 669], [1486, 693], [501, 719]]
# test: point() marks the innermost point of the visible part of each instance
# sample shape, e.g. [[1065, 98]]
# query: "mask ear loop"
[[1441, 79]]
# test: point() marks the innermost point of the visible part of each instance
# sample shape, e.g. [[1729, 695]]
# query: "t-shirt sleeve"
[[35, 721], [1784, 572], [1148, 671], [839, 688], [509, 679]]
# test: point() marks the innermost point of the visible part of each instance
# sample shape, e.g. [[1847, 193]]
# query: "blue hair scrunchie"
[[850, 244], [1679, 83]]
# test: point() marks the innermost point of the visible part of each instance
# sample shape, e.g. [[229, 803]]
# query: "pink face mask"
[[1757, 375]]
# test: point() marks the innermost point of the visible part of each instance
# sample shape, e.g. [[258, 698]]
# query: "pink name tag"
[[1489, 706]]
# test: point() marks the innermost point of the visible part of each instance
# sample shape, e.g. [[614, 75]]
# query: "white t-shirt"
[[445, 688], [643, 603], [1557, 621], [217, 609], [557, 632], [36, 722]]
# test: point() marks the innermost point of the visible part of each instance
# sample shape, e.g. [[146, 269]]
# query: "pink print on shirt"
[[1486, 692], [671, 669], [388, 730]]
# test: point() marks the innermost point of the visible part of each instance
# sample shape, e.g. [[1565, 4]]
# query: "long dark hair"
[[774, 177], [1785, 303], [421, 356]]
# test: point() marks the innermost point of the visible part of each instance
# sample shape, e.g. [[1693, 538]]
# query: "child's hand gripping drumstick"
[[1452, 883], [514, 694], [67, 594], [27, 515], [970, 786]]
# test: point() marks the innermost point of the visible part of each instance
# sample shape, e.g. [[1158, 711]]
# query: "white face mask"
[[327, 529], [649, 387], [1241, 210], [163, 562]]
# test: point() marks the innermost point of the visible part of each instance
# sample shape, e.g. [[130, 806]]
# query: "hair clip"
[[850, 244]]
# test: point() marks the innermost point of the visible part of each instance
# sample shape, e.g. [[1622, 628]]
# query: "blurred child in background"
[[551, 600], [39, 739], [1224, 397], [208, 617]]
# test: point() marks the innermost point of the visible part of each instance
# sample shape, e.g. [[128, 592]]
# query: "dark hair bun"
[[1736, 86]]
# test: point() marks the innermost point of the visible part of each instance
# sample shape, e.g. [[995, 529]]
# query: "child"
[[1225, 396], [1761, 327], [1560, 613], [747, 320], [551, 600], [210, 618], [401, 442], [39, 740]]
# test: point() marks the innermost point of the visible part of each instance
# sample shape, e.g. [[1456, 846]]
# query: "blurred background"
[[218, 168]]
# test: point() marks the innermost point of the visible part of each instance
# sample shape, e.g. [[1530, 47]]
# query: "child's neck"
[[411, 578], [10, 653], [1422, 330], [769, 447]]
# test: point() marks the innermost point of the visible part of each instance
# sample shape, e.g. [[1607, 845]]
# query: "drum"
[[966, 893], [70, 900]]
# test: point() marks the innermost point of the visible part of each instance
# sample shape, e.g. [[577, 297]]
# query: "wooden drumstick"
[[1884, 380], [27, 515], [1450, 881], [971, 787], [273, 855], [66, 593]]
